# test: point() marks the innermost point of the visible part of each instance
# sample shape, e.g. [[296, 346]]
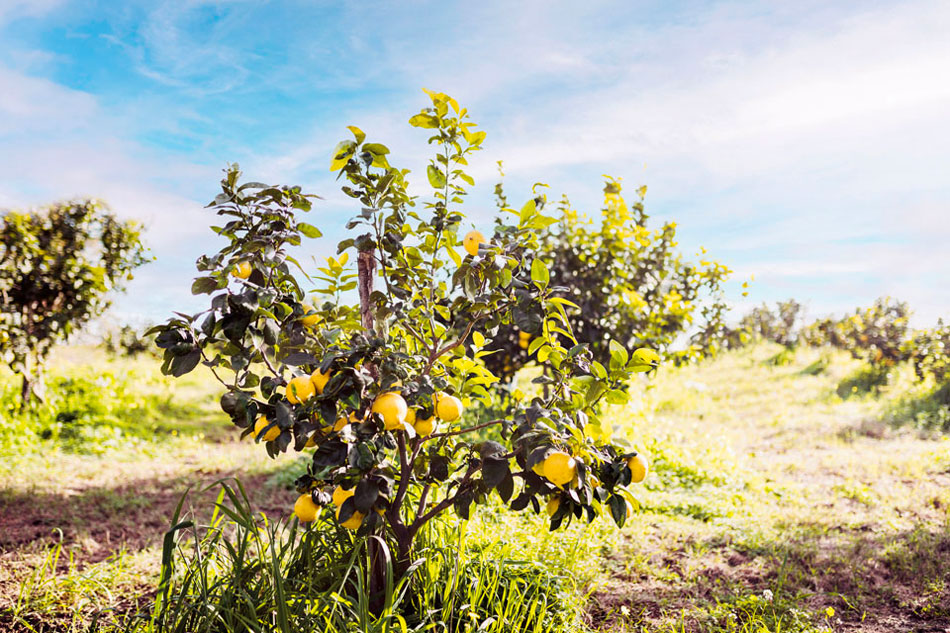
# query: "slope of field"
[[773, 504]]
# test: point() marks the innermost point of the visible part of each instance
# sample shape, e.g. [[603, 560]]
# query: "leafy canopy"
[[630, 283]]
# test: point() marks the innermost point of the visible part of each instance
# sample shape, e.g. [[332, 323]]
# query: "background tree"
[[57, 268], [630, 282]]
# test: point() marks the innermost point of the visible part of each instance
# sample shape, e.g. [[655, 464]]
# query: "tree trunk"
[[26, 392], [366, 267]]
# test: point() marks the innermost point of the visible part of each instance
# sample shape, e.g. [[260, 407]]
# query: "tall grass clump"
[[243, 572]]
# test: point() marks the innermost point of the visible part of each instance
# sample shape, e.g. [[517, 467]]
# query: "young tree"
[[379, 390], [57, 268]]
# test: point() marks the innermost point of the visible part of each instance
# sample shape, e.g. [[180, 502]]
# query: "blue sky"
[[806, 143]]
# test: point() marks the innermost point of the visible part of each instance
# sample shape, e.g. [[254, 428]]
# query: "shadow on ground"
[[101, 521]]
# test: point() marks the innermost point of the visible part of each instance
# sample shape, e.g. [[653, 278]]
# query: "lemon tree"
[[380, 389], [631, 283], [58, 267]]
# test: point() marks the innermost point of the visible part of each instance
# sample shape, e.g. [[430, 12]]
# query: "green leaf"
[[204, 285], [376, 149], [619, 352], [424, 120], [309, 230], [358, 133], [528, 210], [436, 177], [540, 274], [341, 155]]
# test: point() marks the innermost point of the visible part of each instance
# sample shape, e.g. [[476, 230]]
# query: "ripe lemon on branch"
[[424, 428], [305, 509], [272, 433], [471, 241], [300, 389], [559, 468], [448, 408], [339, 497], [639, 467], [319, 379], [392, 408], [242, 270]]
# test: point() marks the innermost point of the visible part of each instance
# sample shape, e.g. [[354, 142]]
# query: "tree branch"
[[463, 431]]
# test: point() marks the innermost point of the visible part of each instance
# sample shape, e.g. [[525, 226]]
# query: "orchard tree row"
[[879, 334]]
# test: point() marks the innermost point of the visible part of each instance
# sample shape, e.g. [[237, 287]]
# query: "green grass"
[[774, 500]]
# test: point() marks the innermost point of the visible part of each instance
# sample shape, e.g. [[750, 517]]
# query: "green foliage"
[[929, 350], [420, 338], [57, 268], [630, 284]]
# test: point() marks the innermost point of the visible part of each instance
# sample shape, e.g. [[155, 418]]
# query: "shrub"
[[57, 267], [128, 341], [779, 327], [632, 285], [378, 389], [877, 334]]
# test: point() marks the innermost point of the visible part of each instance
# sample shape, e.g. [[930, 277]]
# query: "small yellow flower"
[[830, 612]]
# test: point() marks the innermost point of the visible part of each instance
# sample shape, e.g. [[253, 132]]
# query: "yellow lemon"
[[629, 509], [271, 434], [242, 270], [524, 343], [560, 468], [538, 469], [309, 320], [392, 408], [638, 468], [305, 509], [553, 504], [340, 423], [644, 360], [411, 417], [448, 408], [299, 389], [424, 428], [319, 379], [471, 242], [340, 495], [353, 523]]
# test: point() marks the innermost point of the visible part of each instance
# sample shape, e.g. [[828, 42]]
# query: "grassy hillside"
[[774, 503]]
